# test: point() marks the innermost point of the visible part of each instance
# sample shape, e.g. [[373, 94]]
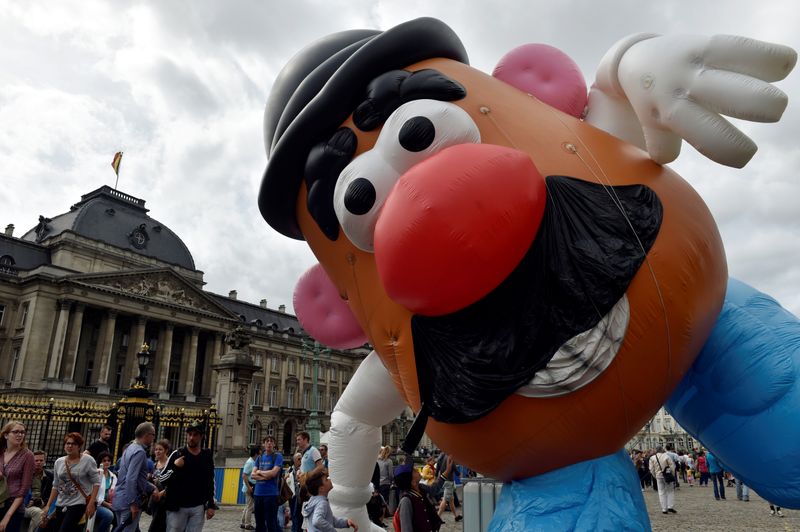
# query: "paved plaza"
[[696, 507]]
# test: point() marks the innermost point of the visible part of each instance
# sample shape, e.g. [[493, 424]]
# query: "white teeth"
[[582, 358]]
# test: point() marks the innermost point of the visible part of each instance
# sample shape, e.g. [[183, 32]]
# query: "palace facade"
[[81, 292]]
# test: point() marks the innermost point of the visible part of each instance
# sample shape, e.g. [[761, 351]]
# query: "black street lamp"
[[139, 387]]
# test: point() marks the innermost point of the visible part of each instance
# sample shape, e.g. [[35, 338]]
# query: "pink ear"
[[546, 73], [323, 313]]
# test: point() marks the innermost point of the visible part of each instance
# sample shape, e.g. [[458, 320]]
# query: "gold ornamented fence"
[[47, 420]]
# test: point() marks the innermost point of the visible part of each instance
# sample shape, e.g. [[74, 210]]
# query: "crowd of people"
[[86, 492], [663, 470], [414, 498]]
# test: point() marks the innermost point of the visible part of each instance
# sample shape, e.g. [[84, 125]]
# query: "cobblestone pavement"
[[696, 507]]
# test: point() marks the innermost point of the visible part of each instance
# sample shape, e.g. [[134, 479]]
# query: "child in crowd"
[[317, 511]]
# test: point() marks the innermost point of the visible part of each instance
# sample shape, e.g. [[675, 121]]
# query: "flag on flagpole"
[[116, 161]]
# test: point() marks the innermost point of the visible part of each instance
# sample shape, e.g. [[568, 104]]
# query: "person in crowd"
[[189, 481], [16, 467], [775, 510], [742, 491], [715, 470], [414, 511], [702, 468], [660, 462], [323, 451], [248, 485], [670, 450], [317, 512], [689, 469], [377, 507], [41, 484], [448, 488], [386, 467], [266, 473], [101, 445], [101, 521], [158, 509], [311, 463], [132, 484], [293, 477], [76, 482]]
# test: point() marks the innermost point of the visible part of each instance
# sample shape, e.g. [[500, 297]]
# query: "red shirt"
[[18, 472]]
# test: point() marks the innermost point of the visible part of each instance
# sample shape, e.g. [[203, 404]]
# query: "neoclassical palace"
[[82, 291]]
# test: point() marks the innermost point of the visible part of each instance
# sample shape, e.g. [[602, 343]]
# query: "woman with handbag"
[[662, 467], [76, 482], [16, 475]]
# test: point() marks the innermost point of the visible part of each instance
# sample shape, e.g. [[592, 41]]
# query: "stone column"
[[191, 366], [164, 355], [235, 371], [104, 351], [59, 339], [74, 343], [131, 363]]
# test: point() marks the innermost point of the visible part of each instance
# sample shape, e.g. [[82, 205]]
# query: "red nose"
[[456, 225]]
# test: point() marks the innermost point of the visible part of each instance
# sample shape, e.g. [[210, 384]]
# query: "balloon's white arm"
[[653, 91], [369, 402]]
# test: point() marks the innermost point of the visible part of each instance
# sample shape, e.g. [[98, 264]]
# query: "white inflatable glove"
[[676, 87], [370, 401]]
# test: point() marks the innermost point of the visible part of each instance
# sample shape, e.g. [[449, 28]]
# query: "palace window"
[[2, 314], [172, 384], [319, 405], [273, 395], [258, 359], [332, 373], [256, 394], [307, 399], [290, 397], [332, 403], [307, 369], [255, 429], [23, 315], [291, 366], [89, 370], [14, 361], [275, 364]]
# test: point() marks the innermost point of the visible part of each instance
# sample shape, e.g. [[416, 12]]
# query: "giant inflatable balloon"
[[523, 268], [745, 383]]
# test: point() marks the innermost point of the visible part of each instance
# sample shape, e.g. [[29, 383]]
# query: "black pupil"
[[360, 196], [417, 133]]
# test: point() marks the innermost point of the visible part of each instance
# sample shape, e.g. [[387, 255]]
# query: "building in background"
[[661, 430], [81, 292]]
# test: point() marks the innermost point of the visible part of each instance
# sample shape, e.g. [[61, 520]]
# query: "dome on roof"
[[117, 219]]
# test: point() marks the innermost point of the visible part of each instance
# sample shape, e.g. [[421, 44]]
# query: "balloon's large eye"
[[414, 132]]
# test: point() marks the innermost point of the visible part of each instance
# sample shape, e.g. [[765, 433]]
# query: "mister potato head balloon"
[[534, 282]]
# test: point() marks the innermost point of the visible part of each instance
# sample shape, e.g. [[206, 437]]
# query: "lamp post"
[[139, 387], [313, 425]]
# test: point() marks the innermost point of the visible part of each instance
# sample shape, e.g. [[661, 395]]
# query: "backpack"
[[396, 518]]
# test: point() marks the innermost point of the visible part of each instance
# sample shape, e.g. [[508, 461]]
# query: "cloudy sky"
[[180, 87]]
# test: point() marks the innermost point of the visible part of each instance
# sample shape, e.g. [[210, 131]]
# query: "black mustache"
[[591, 242]]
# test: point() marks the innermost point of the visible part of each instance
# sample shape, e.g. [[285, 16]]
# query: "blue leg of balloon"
[[741, 398], [599, 494]]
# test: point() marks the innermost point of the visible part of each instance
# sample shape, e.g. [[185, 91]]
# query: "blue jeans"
[[124, 521], [719, 493], [102, 519], [186, 519], [266, 510]]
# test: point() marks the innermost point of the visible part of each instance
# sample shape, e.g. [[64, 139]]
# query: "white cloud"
[[180, 88]]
